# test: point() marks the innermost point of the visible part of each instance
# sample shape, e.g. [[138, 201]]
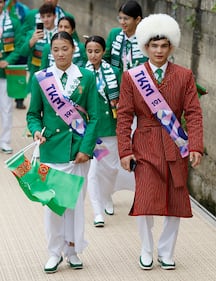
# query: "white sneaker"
[[166, 263], [52, 264], [109, 209], [6, 148], [75, 262], [146, 262], [99, 221]]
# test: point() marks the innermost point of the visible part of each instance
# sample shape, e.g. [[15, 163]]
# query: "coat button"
[[57, 130], [70, 130], [57, 114], [107, 112]]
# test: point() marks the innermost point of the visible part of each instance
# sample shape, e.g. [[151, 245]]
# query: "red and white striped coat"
[[161, 173]]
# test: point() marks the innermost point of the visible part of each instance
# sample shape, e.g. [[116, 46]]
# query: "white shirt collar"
[[72, 71], [129, 38], [154, 67]]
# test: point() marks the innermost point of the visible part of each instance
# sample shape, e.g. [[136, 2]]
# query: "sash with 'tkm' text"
[[160, 108], [66, 109]]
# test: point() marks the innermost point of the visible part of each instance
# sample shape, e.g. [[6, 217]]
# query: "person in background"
[[67, 24], [103, 173], [37, 39], [122, 50], [65, 147], [33, 17], [10, 42], [158, 92], [18, 10]]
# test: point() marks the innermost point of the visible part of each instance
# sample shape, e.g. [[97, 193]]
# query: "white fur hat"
[[161, 25]]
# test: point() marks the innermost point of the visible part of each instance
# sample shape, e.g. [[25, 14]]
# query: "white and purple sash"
[[160, 108], [66, 108]]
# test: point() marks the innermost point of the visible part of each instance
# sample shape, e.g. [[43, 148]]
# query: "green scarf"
[[38, 49], [109, 79], [7, 37], [118, 49]]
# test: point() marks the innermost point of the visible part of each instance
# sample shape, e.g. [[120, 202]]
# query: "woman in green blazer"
[[102, 174], [63, 146]]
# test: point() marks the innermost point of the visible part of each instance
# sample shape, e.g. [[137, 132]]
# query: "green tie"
[[64, 79], [128, 46], [159, 72]]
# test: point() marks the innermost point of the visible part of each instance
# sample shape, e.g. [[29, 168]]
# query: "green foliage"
[[191, 20], [214, 8]]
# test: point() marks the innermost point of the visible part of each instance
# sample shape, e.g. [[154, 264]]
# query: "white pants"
[[6, 111], [167, 241], [102, 176], [61, 230]]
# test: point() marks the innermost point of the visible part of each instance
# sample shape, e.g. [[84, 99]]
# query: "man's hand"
[[195, 158], [37, 35], [125, 162]]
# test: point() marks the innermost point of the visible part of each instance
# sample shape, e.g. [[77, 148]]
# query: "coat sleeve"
[[125, 116], [193, 116]]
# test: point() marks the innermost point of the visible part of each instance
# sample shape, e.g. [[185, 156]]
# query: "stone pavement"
[[113, 251]]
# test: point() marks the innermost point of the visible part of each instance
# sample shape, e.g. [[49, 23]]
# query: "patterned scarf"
[[109, 80], [119, 49], [38, 48], [6, 33]]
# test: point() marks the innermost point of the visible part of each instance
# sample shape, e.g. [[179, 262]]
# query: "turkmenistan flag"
[[56, 189]]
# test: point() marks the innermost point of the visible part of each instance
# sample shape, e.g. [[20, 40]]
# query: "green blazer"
[[107, 124], [62, 143]]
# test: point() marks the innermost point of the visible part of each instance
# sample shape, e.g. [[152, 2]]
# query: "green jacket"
[[107, 124], [62, 143], [12, 56]]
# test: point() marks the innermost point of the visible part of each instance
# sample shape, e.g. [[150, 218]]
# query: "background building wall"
[[197, 20]]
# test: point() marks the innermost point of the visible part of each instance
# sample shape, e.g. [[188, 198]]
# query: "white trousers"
[[107, 176], [167, 240], [102, 176], [6, 111], [61, 230]]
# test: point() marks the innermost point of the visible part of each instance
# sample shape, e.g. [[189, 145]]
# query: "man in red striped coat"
[[162, 169]]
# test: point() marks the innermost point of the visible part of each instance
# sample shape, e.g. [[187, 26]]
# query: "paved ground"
[[113, 251]]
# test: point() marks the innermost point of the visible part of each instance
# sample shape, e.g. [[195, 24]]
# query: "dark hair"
[[62, 35], [70, 20], [98, 39], [131, 9], [158, 37], [47, 8]]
